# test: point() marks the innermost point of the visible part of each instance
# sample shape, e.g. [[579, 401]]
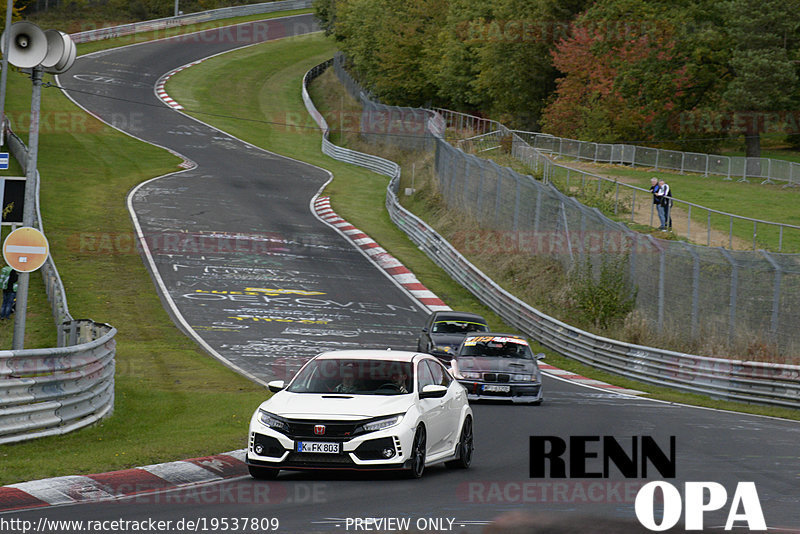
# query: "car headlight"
[[380, 424], [443, 348], [522, 378], [471, 375], [272, 421]]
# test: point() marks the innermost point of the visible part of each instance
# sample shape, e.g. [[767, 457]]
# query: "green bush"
[[604, 297]]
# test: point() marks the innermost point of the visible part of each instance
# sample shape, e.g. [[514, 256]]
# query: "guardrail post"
[[695, 288], [480, 194], [465, 194], [776, 292], [517, 201], [498, 194], [734, 292]]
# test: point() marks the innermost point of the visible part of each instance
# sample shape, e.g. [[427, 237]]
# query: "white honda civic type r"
[[363, 410]]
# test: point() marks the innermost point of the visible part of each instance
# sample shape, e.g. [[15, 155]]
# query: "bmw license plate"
[[493, 388], [325, 447]]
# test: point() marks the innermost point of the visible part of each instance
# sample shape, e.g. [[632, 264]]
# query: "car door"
[[435, 409], [424, 341], [454, 401]]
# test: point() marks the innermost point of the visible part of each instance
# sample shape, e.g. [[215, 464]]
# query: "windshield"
[[456, 326], [496, 346], [359, 377]]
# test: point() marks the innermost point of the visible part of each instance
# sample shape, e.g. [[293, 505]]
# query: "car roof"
[[371, 354], [458, 316]]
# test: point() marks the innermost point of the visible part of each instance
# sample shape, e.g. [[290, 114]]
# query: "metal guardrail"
[[756, 382], [46, 392], [184, 20]]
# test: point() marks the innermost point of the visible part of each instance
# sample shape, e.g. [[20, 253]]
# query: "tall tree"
[[763, 71], [515, 71], [625, 80]]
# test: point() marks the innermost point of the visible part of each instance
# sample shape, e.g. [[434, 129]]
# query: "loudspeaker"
[[61, 52], [27, 45]]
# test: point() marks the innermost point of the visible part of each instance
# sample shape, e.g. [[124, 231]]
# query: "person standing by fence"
[[654, 191], [663, 196], [8, 282]]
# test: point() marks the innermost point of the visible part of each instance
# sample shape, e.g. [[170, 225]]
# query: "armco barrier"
[[756, 382], [45, 392], [184, 20]]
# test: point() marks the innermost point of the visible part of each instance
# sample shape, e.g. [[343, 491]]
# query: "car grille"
[[496, 377], [333, 429], [313, 459]]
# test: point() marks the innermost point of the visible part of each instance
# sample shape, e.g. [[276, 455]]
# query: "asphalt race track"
[[270, 285], [246, 264]]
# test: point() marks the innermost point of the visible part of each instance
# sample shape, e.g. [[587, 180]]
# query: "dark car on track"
[[495, 366], [445, 330]]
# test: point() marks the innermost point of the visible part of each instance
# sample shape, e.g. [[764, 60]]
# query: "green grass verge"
[[255, 95]]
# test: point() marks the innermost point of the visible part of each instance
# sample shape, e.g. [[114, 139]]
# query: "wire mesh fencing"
[[699, 291]]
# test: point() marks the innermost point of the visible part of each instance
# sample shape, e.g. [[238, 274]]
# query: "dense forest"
[[686, 74]]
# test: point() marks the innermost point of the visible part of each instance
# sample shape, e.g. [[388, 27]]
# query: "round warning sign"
[[25, 249]]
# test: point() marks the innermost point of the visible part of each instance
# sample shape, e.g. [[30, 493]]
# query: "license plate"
[[492, 388], [325, 447]]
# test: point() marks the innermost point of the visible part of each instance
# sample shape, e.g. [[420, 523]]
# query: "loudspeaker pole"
[[4, 75], [29, 207]]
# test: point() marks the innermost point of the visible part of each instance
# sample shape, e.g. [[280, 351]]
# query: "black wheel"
[[465, 447], [262, 473], [418, 454]]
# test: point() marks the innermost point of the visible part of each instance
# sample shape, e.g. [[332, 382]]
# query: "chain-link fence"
[[701, 291], [732, 167], [699, 224]]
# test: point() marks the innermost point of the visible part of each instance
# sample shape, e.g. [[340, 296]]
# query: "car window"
[[438, 373], [356, 376], [496, 346], [425, 377], [453, 326]]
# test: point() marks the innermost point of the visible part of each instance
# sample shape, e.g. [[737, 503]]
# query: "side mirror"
[[276, 385], [540, 356], [424, 329], [433, 391]]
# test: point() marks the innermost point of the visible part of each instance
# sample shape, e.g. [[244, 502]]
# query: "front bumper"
[[269, 448], [517, 392]]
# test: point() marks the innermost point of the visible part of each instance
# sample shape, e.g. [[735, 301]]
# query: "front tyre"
[[418, 453], [465, 447]]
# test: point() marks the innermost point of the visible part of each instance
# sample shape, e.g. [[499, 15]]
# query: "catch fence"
[[758, 382], [747, 297]]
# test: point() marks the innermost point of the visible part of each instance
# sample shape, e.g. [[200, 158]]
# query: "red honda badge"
[[319, 430]]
